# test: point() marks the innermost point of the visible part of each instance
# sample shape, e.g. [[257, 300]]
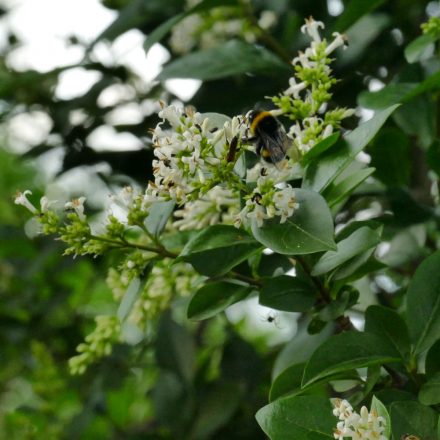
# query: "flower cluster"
[[218, 205], [165, 283], [306, 98], [191, 155], [97, 344], [215, 26], [366, 425], [270, 197], [200, 165]]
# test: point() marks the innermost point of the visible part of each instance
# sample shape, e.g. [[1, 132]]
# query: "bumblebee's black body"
[[270, 137]]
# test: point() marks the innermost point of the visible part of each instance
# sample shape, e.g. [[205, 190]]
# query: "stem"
[[324, 293], [123, 243], [245, 278]]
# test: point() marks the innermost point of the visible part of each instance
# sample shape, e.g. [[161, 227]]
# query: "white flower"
[[219, 205], [78, 206], [45, 203], [363, 426], [339, 40], [312, 28], [285, 203], [21, 199], [295, 88]]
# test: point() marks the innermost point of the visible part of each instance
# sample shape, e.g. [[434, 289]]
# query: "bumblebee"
[[269, 136]]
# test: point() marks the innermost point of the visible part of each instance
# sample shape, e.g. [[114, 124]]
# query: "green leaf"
[[429, 394], [354, 10], [320, 147], [410, 417], [290, 294], [407, 211], [417, 118], [320, 174], [286, 381], [162, 30], [423, 302], [215, 297], [380, 409], [389, 395], [301, 347], [359, 241], [232, 58], [398, 93], [357, 267], [338, 192], [217, 249], [432, 362], [363, 35], [417, 48], [347, 351], [158, 215], [390, 155], [388, 324], [175, 348], [299, 418], [309, 230], [131, 295], [383, 98]]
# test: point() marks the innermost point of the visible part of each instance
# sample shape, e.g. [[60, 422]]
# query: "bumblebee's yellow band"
[[257, 120]]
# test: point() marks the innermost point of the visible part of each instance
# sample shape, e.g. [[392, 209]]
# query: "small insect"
[[272, 318], [269, 136], [409, 437]]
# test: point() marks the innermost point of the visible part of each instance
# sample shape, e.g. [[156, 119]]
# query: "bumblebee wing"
[[274, 145]]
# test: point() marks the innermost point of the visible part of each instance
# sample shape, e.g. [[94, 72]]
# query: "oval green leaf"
[[290, 294], [215, 297], [388, 324], [217, 249], [423, 300], [299, 418], [131, 295], [339, 191], [347, 351], [430, 392], [232, 58], [320, 147], [417, 48], [320, 174], [158, 215], [309, 230], [412, 418], [359, 241]]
